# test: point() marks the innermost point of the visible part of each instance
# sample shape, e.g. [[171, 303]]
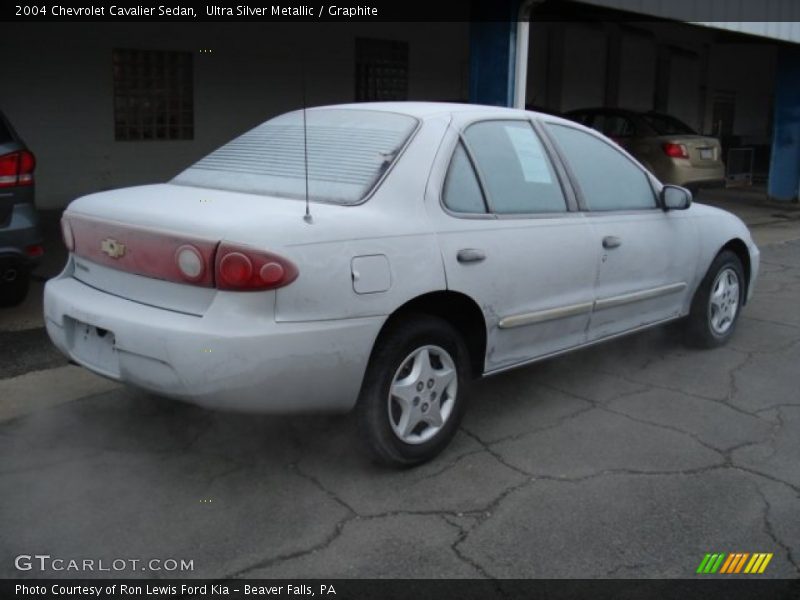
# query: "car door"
[[512, 239], [647, 255]]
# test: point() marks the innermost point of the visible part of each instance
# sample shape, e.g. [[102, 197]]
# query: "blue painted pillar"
[[784, 167], [492, 45]]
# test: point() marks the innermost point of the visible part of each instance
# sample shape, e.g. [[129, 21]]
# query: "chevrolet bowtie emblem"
[[112, 247]]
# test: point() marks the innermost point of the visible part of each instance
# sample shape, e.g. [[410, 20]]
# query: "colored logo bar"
[[735, 562]]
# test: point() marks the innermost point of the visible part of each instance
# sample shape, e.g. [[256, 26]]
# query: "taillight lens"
[[176, 258], [35, 251], [17, 168], [675, 150], [66, 233], [235, 270], [190, 262], [241, 268], [156, 254]]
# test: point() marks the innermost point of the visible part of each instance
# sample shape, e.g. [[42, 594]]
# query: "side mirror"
[[674, 197]]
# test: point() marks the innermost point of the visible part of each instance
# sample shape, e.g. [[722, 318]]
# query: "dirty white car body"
[[526, 285]]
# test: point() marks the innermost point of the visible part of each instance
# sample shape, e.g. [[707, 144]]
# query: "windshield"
[[348, 152], [667, 125]]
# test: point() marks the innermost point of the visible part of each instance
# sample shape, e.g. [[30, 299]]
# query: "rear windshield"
[[667, 125], [5, 133], [348, 152]]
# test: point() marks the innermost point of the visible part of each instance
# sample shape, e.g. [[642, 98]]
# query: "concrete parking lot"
[[629, 459]]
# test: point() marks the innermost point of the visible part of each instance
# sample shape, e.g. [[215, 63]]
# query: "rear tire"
[[413, 396], [13, 293], [717, 303]]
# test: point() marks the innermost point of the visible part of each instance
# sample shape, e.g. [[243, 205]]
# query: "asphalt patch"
[[27, 350]]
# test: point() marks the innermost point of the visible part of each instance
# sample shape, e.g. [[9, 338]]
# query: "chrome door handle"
[[470, 255], [611, 241]]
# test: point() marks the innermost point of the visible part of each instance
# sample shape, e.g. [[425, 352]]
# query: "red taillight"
[[17, 168], [35, 251], [174, 257], [241, 268], [142, 251], [235, 270], [675, 150]]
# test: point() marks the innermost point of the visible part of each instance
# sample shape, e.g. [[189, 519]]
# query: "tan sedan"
[[669, 148]]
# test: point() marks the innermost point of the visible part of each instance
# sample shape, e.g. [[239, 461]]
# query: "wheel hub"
[[723, 302], [413, 420]]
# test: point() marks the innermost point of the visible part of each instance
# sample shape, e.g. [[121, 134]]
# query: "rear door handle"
[[470, 255], [611, 241]]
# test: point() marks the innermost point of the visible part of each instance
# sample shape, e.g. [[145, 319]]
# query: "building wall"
[[637, 74], [584, 66], [57, 88], [730, 71]]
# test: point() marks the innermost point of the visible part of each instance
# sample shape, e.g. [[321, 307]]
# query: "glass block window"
[[153, 95], [381, 70]]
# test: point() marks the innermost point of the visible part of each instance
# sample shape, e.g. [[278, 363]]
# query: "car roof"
[[424, 110], [607, 109]]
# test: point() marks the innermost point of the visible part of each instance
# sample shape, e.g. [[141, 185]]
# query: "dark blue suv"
[[20, 239]]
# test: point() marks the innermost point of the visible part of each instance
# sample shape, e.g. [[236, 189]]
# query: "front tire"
[[717, 303], [413, 396]]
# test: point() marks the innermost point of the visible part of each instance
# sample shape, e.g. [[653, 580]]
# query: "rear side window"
[[514, 167], [462, 192], [608, 179], [667, 125], [348, 152], [614, 126], [582, 118]]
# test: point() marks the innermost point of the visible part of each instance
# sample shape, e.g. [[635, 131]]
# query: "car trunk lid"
[[703, 151], [125, 242]]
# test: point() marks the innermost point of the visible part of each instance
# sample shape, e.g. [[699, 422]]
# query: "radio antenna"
[[307, 217]]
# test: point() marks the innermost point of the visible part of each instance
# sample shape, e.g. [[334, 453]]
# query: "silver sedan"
[[379, 257]]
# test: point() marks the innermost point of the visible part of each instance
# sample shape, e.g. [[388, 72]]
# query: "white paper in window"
[[530, 154]]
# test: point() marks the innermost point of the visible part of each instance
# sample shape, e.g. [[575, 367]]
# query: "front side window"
[[608, 179], [515, 168], [348, 152]]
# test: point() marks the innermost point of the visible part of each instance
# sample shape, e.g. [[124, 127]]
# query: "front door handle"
[[470, 255], [611, 241]]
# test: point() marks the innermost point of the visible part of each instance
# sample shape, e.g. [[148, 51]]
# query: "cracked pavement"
[[628, 459]]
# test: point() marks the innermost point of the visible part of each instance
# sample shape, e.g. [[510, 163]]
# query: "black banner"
[[732, 588], [387, 11]]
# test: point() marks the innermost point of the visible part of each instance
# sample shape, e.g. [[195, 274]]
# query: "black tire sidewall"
[[13, 293], [700, 319], [391, 350]]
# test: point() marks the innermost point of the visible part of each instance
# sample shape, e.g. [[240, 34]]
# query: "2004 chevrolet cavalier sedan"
[[379, 256]]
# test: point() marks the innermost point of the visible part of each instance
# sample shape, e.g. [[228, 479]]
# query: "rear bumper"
[[234, 357], [704, 184], [682, 172]]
